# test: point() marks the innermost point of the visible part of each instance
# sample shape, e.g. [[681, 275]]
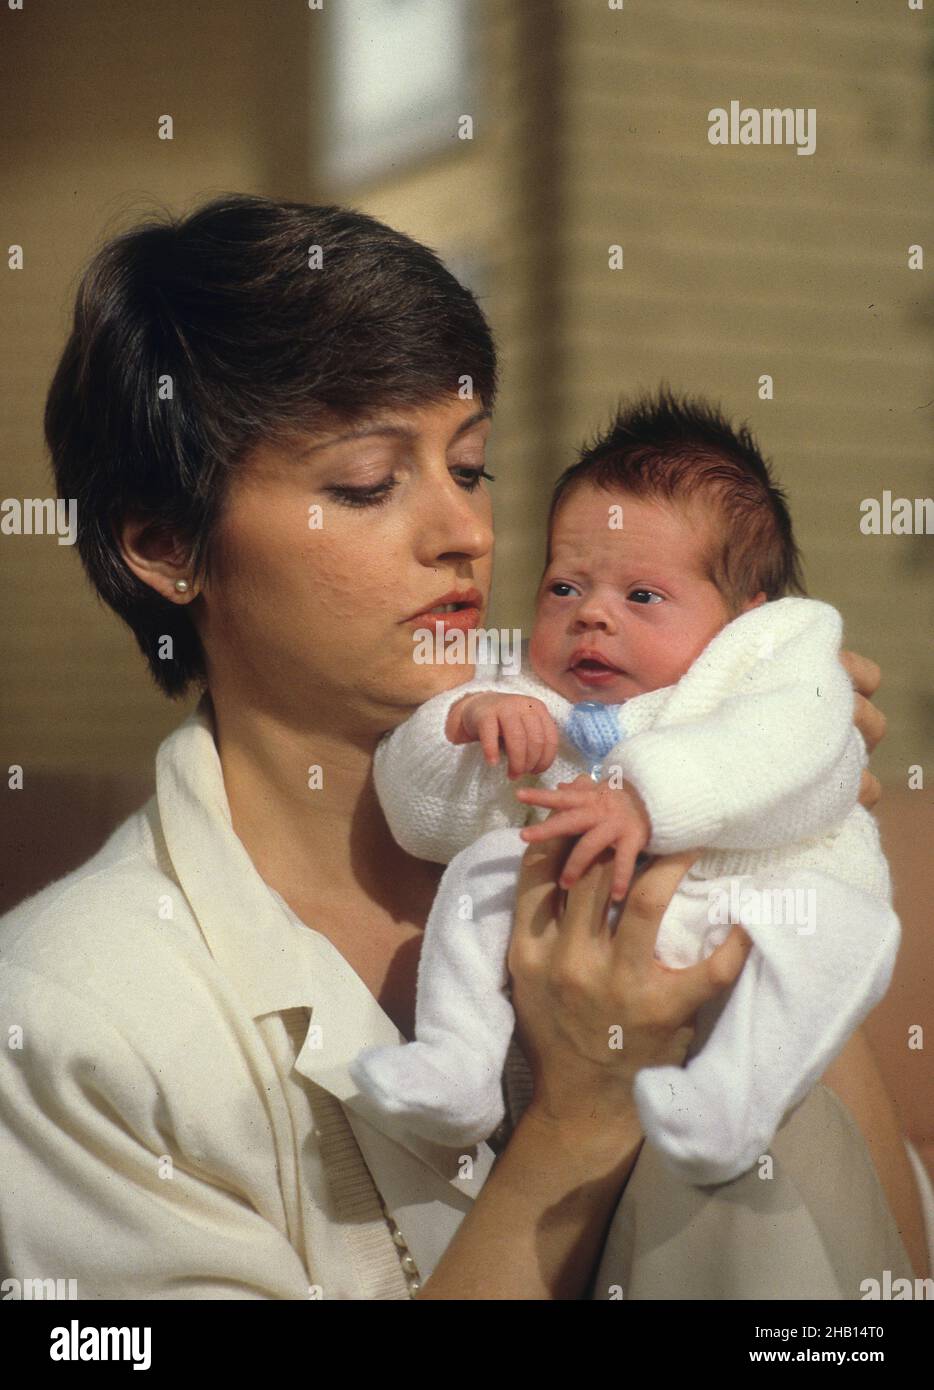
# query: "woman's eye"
[[375, 496], [471, 481], [649, 596], [363, 496]]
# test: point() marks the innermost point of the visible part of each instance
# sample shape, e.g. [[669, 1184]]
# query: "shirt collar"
[[246, 927], [274, 961]]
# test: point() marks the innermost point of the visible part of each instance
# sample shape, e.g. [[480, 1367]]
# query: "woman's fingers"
[[701, 982], [649, 895], [587, 903], [725, 963], [870, 790], [870, 721], [537, 891], [865, 674]]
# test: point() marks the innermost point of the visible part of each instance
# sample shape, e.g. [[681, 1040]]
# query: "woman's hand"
[[866, 677], [575, 985]]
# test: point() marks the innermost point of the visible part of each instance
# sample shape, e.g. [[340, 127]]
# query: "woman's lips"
[[461, 620]]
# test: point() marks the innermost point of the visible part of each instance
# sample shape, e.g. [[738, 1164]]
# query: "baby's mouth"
[[594, 666]]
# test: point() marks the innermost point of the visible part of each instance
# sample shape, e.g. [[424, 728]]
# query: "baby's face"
[[636, 597]]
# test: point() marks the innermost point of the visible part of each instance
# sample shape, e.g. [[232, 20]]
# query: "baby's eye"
[[649, 596], [559, 584]]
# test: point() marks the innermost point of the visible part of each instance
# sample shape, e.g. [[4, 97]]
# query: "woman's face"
[[325, 551]]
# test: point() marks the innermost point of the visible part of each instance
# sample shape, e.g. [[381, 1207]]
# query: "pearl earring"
[[181, 586]]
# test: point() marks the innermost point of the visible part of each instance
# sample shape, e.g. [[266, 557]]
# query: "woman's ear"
[[156, 557]]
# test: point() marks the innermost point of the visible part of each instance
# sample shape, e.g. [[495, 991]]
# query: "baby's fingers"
[[515, 737], [553, 799], [524, 738], [585, 852], [622, 869], [561, 823], [534, 742], [488, 734], [549, 743]]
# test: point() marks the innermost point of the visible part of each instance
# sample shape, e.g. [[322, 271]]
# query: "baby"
[[711, 712]]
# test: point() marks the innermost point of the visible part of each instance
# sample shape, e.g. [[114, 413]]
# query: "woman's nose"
[[452, 524]]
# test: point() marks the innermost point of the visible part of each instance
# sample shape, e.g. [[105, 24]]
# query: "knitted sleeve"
[[756, 746], [438, 797]]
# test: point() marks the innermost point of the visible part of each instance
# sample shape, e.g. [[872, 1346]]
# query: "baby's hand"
[[602, 815], [527, 730]]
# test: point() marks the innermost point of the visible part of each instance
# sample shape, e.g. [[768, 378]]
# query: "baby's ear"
[[756, 602]]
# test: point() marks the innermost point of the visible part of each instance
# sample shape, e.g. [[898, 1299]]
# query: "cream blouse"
[[176, 1115], [177, 1119]]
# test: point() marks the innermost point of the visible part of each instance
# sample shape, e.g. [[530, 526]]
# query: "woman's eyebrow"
[[469, 423], [368, 428]]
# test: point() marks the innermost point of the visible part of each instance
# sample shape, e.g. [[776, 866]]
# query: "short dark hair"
[[677, 448], [260, 344]]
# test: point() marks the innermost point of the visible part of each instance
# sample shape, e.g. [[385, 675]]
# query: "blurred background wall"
[[589, 131]]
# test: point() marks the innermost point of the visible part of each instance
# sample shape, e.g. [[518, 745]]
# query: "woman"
[[273, 418]]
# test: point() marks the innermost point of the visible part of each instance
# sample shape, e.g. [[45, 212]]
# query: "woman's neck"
[[326, 848], [303, 803]]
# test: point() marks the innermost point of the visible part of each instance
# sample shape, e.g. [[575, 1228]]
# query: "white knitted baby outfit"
[[751, 755]]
